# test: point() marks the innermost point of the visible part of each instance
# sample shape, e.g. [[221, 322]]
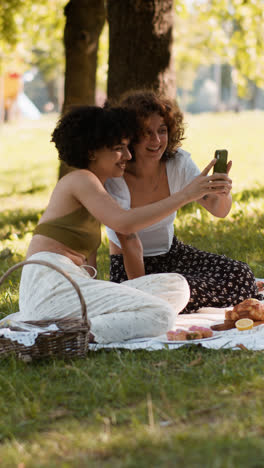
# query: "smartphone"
[[221, 163]]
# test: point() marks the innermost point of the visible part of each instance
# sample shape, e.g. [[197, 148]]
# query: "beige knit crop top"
[[78, 230]]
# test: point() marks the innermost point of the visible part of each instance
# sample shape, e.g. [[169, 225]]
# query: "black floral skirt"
[[214, 280]]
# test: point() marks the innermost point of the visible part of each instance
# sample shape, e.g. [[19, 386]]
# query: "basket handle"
[[86, 322]]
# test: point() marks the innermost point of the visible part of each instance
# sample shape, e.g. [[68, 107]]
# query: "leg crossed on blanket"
[[144, 307]]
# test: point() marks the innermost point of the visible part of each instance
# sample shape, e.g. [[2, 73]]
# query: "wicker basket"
[[70, 340]]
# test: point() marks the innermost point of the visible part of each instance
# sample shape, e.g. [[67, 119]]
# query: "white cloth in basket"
[[143, 307], [27, 334]]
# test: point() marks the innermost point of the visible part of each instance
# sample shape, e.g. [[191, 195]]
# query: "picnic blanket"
[[205, 317], [232, 339]]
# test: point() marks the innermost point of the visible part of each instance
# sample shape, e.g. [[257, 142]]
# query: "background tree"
[[84, 23], [140, 45], [8, 39], [9, 11], [31, 35], [231, 30], [190, 49], [236, 36], [46, 45]]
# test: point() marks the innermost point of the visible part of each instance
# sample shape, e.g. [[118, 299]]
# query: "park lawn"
[[189, 407]]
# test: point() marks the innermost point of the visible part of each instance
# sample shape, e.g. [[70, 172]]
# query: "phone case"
[[221, 163]]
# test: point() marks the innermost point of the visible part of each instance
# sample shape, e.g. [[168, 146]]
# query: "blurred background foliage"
[[223, 37]]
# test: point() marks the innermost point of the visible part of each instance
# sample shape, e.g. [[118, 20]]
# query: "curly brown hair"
[[147, 102], [85, 129]]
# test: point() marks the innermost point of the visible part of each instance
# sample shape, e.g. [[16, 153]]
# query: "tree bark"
[[84, 23], [140, 46]]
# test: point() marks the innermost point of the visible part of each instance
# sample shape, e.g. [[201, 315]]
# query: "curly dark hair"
[[146, 102], [85, 129]]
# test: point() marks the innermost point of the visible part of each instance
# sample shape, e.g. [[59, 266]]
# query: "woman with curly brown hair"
[[159, 168]]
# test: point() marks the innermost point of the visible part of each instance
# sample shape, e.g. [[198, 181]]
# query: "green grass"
[[189, 407], [241, 134]]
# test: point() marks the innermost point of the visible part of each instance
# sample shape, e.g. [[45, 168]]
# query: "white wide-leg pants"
[[142, 307]]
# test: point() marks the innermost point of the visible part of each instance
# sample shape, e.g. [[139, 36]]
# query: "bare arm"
[[89, 191], [219, 205], [132, 251]]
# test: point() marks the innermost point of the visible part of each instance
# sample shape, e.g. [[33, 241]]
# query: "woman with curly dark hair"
[[95, 142], [158, 168]]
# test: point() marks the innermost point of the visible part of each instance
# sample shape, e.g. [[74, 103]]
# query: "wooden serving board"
[[228, 324]]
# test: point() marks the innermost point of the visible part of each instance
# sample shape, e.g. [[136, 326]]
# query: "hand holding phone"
[[221, 163]]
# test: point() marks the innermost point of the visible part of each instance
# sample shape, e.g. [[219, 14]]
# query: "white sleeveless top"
[[156, 239]]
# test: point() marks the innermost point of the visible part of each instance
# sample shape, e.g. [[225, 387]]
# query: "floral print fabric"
[[214, 280]]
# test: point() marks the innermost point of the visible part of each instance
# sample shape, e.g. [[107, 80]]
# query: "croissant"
[[249, 308]]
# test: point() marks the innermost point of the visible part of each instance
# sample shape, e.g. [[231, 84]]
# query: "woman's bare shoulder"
[[79, 177], [78, 173]]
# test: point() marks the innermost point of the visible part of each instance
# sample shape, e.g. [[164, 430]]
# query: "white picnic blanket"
[[232, 339], [205, 317]]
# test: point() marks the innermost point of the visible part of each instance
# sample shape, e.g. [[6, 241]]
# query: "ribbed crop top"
[[78, 230]]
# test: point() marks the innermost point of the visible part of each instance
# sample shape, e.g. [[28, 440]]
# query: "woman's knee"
[[171, 287]]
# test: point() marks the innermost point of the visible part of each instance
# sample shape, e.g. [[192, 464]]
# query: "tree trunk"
[[84, 23], [140, 44]]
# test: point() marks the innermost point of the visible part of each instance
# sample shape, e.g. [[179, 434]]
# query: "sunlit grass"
[[240, 133], [189, 407], [28, 162]]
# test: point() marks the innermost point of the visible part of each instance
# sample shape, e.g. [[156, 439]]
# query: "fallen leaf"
[[195, 362], [241, 346], [160, 364]]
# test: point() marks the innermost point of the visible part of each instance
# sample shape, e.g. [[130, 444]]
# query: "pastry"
[[249, 308], [194, 333]]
